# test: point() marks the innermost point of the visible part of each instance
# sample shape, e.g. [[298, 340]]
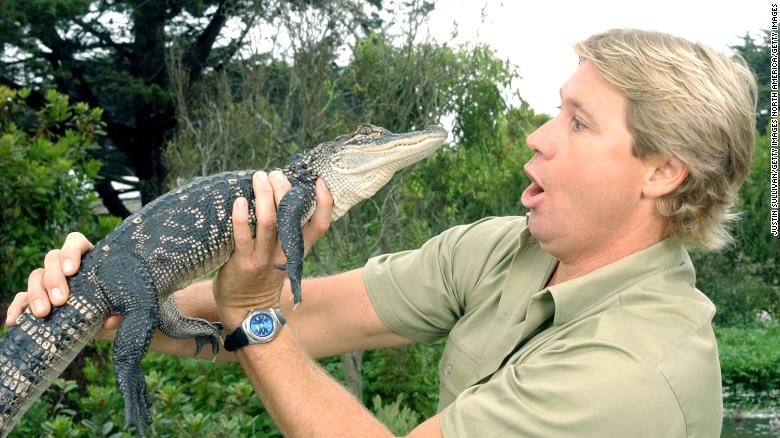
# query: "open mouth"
[[532, 195], [535, 189]]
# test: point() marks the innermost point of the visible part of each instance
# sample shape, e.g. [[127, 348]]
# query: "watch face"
[[261, 325]]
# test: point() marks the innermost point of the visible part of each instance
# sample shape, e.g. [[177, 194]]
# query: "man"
[[581, 319]]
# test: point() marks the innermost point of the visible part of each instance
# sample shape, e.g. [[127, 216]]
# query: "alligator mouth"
[[408, 140], [393, 154]]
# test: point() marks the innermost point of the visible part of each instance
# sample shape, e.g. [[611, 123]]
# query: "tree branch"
[[103, 37], [236, 43], [199, 53]]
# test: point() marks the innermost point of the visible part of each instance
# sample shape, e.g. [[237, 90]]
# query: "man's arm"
[[336, 317], [302, 399], [306, 401]]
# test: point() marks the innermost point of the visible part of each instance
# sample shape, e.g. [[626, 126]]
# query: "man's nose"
[[541, 141]]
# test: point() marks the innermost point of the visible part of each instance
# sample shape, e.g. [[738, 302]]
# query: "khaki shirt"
[[626, 350]]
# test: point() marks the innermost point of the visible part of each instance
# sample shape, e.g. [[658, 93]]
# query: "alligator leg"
[[175, 325], [132, 340], [292, 208], [133, 296]]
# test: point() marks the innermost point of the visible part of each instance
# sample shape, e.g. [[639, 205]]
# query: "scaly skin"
[[171, 242]]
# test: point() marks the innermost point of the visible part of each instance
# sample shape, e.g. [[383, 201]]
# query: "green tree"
[[112, 54], [756, 54], [46, 179]]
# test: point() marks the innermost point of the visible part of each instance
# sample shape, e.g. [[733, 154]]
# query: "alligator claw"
[[295, 284], [212, 339]]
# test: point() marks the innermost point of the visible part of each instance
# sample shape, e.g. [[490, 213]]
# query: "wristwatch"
[[259, 327]]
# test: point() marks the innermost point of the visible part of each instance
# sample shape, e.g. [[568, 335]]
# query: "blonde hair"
[[688, 101]]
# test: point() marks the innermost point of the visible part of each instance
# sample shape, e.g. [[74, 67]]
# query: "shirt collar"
[[526, 239], [576, 296]]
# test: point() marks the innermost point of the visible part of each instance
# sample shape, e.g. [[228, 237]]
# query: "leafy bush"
[[750, 357], [410, 370], [397, 417], [191, 398], [45, 180]]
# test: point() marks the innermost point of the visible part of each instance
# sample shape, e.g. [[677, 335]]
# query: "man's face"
[[586, 184]]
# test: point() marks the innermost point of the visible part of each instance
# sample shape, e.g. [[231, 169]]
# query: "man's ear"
[[663, 176]]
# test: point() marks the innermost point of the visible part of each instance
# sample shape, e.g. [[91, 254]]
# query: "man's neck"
[[571, 266]]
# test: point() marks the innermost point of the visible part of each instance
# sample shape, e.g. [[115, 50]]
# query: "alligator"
[[174, 240]]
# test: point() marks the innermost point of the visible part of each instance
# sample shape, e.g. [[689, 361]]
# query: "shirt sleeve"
[[421, 293], [595, 391]]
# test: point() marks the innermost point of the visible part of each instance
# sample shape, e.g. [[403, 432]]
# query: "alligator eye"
[[365, 130]]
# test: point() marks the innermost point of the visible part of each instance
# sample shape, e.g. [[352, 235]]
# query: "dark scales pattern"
[[171, 242]]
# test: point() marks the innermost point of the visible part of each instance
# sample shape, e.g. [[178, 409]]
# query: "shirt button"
[[448, 369]]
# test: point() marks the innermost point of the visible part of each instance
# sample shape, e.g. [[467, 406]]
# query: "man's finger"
[[242, 235], [280, 185], [53, 279], [39, 299], [75, 245], [17, 307], [266, 210], [320, 221], [108, 331], [112, 322]]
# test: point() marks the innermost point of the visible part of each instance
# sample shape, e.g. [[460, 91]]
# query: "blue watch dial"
[[262, 325]]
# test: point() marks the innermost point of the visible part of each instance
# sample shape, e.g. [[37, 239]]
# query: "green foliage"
[[46, 175], [194, 397], [397, 417], [386, 374], [750, 357], [191, 398]]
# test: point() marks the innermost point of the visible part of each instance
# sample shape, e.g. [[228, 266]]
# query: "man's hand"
[[48, 286], [249, 280]]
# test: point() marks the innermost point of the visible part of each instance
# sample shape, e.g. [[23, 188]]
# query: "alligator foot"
[[137, 402], [175, 325], [211, 338]]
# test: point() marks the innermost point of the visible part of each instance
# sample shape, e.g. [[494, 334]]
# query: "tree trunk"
[[353, 372]]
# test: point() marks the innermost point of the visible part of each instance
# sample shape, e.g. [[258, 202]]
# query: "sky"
[[539, 36]]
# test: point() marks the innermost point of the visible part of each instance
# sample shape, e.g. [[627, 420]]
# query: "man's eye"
[[577, 125]]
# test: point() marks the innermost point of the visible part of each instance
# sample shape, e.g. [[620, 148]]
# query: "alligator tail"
[[36, 350]]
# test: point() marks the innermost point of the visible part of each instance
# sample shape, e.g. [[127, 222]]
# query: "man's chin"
[[536, 227]]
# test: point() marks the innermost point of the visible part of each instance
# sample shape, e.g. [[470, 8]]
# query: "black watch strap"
[[236, 340]]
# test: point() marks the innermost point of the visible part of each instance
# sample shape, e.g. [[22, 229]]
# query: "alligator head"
[[357, 165]]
